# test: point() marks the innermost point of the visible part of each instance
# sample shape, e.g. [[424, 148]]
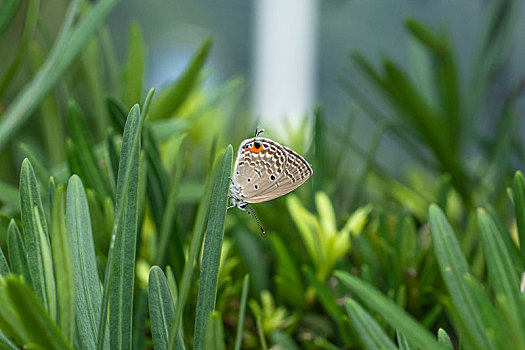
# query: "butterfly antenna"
[[256, 219], [258, 131]]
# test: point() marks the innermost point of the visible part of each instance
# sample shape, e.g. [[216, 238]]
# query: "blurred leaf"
[[5, 343], [70, 43], [4, 268], [63, 262], [41, 171], [84, 149], [518, 194], [242, 312], [17, 253], [283, 341], [9, 195], [33, 318], [171, 98], [370, 333], [27, 34], [37, 239], [117, 113], [396, 317], [444, 339], [134, 67], [252, 253], [8, 10], [212, 249], [454, 268], [120, 268], [288, 280], [214, 337], [325, 297], [402, 341], [88, 294]]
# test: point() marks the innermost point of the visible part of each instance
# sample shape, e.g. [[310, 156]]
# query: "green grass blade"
[[4, 268], [134, 67], [195, 248], [416, 334], [518, 192], [212, 249], [88, 294], [161, 308], [214, 337], [172, 98], [120, 268], [242, 312], [370, 333], [8, 10], [63, 262], [37, 239], [139, 320], [454, 269], [66, 49], [85, 150], [17, 252], [40, 328]]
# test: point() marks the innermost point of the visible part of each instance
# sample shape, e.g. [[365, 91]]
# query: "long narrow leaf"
[[4, 268], [212, 249], [195, 247], [17, 252], [518, 191], [120, 268], [161, 308], [139, 320], [37, 239], [8, 10], [391, 313], [454, 269], [65, 51], [65, 269], [242, 312], [371, 334], [88, 294], [214, 337]]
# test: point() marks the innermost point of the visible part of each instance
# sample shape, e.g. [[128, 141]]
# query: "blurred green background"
[[407, 235]]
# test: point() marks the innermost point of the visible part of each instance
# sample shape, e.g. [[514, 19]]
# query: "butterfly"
[[265, 170]]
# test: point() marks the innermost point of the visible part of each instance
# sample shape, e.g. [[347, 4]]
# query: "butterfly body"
[[265, 170]]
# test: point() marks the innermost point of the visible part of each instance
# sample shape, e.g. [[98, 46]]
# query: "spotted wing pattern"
[[266, 170]]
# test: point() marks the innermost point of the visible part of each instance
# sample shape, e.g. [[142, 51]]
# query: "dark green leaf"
[[161, 308], [242, 312], [518, 192], [8, 10], [4, 268], [369, 332], [134, 67], [139, 320], [17, 252]]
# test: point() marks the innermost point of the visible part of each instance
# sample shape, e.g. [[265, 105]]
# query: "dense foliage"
[[118, 236]]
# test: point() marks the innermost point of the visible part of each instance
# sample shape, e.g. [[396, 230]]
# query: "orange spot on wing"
[[256, 150]]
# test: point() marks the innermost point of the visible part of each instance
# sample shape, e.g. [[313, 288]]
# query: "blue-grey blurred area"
[[173, 30]]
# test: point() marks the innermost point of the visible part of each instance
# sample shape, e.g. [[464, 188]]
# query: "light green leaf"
[[4, 268], [65, 269], [444, 339], [37, 239], [518, 194], [34, 320], [134, 67], [214, 337], [88, 294]]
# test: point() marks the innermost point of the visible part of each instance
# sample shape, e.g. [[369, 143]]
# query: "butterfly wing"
[[266, 170]]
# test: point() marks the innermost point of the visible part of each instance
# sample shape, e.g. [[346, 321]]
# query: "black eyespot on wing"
[[237, 172], [256, 186], [248, 179], [272, 177], [257, 145]]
